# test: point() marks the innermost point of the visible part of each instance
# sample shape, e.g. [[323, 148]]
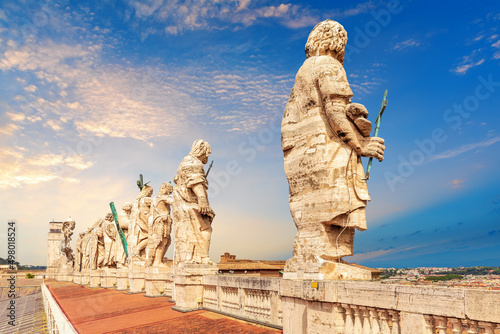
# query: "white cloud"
[[409, 43], [463, 149], [466, 65]]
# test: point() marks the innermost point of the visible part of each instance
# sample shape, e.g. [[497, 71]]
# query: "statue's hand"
[[372, 147], [204, 207]]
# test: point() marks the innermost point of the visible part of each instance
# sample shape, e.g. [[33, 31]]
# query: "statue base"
[[77, 277], [95, 278], [85, 275], [108, 278], [188, 285], [64, 273], [122, 280], [158, 281], [335, 271], [136, 277]]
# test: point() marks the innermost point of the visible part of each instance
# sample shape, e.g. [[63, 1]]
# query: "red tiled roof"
[[102, 310]]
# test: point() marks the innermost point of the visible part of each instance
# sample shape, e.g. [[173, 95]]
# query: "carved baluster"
[[358, 325], [429, 324], [456, 326], [472, 327], [395, 322], [349, 319], [365, 315], [384, 322], [441, 324], [489, 328], [338, 318], [374, 321]]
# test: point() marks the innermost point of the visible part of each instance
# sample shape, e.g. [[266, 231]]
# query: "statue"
[[96, 244], [159, 225], [86, 248], [192, 213], [79, 252], [124, 221], [109, 238], [323, 137], [67, 231], [139, 217]]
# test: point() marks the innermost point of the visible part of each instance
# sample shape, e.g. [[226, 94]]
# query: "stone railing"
[[251, 298], [372, 308], [57, 323]]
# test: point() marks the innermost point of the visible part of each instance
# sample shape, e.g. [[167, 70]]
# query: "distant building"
[[231, 266]]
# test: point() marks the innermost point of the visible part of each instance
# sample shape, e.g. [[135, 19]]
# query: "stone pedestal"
[[158, 281], [85, 275], [77, 277], [188, 285], [122, 279], [64, 273], [108, 278], [95, 278], [136, 274], [335, 271]]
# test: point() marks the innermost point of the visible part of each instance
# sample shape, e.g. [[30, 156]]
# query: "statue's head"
[[201, 149], [127, 207], [146, 191], [327, 37], [109, 217], [166, 188]]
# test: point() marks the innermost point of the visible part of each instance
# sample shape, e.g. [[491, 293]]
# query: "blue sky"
[[94, 93]]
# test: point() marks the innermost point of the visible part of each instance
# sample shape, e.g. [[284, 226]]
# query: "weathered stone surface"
[[484, 305], [159, 226], [426, 300], [124, 221], [158, 281], [367, 294], [193, 215], [295, 313], [122, 279], [322, 148]]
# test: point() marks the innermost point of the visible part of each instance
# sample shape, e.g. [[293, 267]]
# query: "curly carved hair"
[[327, 35], [200, 147]]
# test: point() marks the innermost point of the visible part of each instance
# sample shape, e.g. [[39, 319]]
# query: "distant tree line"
[[446, 277], [21, 267]]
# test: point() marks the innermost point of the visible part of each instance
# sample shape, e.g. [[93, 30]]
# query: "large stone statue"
[[323, 137], [86, 249], [192, 213], [159, 225], [79, 252], [67, 230], [96, 244], [124, 221], [139, 217], [109, 238]]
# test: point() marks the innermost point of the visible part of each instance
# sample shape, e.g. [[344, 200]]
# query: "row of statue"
[[323, 137], [147, 222]]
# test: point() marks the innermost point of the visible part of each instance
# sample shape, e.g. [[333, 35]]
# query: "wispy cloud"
[[381, 253], [463, 149], [466, 65], [409, 43], [457, 183]]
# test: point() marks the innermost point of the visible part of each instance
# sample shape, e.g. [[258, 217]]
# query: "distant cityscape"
[[466, 277]]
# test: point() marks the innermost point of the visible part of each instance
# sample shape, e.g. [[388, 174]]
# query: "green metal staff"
[[377, 128], [120, 231]]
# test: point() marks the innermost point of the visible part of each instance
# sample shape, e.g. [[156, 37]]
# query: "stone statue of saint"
[[139, 218], [160, 225], [124, 221], [323, 137], [192, 213], [67, 231], [109, 238], [86, 248], [96, 244], [79, 252]]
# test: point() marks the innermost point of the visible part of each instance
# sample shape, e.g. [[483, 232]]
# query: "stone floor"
[[109, 311], [30, 315]]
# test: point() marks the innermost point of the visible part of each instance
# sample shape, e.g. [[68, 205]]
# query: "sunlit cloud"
[[409, 43], [457, 183]]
